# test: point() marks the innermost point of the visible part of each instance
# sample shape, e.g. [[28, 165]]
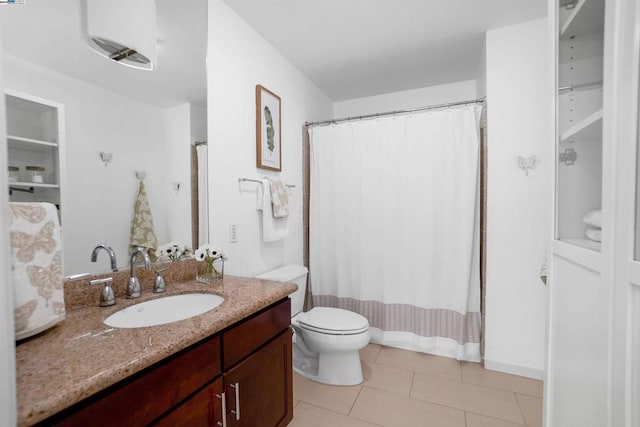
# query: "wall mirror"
[[113, 121]]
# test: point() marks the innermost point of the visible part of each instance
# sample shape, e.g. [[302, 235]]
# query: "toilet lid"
[[333, 321]]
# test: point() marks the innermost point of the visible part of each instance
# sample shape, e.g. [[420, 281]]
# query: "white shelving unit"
[[35, 137], [589, 128], [580, 117]]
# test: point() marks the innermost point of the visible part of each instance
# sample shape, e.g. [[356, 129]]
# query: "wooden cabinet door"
[[202, 410], [259, 390]]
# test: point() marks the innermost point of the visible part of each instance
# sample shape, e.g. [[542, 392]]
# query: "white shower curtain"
[[394, 227], [203, 194]]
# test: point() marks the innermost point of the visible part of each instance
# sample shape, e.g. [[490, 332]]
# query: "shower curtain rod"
[[391, 113]]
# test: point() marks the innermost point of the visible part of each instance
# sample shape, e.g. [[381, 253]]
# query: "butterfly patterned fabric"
[[36, 264]]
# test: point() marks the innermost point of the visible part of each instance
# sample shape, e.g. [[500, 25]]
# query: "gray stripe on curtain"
[[425, 322]]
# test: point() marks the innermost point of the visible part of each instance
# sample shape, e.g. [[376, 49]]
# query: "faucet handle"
[[158, 284], [107, 296]]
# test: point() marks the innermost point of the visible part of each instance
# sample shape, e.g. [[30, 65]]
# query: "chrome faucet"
[[112, 255], [133, 287]]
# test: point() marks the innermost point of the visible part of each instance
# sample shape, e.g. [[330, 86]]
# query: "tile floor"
[[406, 389]]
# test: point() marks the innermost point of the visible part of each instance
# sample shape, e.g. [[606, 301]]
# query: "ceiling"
[[357, 48], [348, 48], [48, 33]]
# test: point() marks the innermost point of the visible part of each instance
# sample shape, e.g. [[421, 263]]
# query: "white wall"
[[177, 126], [98, 201], [520, 123], [7, 339], [183, 124], [481, 81], [431, 95], [198, 123], [237, 60]]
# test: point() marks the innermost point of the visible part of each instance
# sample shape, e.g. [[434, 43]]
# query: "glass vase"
[[209, 271]]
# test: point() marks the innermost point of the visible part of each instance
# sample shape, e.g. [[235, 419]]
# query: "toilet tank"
[[290, 273]]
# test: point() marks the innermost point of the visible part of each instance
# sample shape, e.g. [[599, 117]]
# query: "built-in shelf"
[[35, 137], [589, 128], [584, 18], [22, 141], [567, 16], [32, 184], [580, 251]]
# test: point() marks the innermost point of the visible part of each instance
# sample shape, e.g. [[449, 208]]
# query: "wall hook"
[[176, 186], [141, 175], [527, 164], [106, 158]]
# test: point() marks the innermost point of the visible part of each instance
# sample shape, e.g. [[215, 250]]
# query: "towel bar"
[[260, 182]]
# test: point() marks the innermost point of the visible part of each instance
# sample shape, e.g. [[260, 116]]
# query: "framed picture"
[[268, 125]]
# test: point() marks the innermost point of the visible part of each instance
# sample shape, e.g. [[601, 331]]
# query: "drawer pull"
[[236, 387], [224, 410]]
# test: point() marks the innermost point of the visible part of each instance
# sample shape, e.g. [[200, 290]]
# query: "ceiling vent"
[[122, 30]]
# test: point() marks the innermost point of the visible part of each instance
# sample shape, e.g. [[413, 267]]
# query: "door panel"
[[259, 390]]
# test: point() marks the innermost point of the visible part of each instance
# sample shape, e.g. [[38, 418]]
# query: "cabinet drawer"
[[252, 333], [148, 394]]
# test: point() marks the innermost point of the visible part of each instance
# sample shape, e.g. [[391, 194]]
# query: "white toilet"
[[327, 340]]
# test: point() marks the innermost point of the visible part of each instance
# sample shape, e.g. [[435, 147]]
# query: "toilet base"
[[343, 368]]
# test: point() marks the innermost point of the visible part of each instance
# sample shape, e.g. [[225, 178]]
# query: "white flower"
[[200, 254], [209, 251], [172, 250], [214, 252]]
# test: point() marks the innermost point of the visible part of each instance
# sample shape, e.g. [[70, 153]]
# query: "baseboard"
[[507, 368]]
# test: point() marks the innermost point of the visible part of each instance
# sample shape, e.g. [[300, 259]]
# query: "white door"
[[625, 353]]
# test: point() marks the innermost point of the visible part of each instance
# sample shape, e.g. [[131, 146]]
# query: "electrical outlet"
[[233, 233]]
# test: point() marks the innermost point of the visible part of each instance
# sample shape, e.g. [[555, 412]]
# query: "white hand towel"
[[36, 261], [273, 229], [594, 234], [593, 218], [279, 198]]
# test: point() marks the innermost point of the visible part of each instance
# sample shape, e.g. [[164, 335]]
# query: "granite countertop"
[[82, 356]]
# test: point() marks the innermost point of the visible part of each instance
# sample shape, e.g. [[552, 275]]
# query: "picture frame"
[[268, 130]]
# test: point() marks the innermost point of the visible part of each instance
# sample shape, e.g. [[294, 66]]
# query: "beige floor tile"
[[295, 402], [386, 378], [306, 415], [392, 410], [475, 420], [419, 362], [370, 352], [469, 397], [475, 374], [531, 409], [335, 398]]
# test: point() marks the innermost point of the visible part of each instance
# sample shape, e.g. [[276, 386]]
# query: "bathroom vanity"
[[230, 366]]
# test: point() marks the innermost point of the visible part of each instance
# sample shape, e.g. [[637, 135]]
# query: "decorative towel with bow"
[[142, 230]]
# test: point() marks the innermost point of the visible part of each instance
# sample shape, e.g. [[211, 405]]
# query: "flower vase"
[[209, 270]]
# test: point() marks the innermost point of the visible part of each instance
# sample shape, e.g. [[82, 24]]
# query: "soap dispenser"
[[158, 284]]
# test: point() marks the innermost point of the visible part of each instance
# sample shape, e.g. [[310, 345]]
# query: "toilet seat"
[[332, 321]]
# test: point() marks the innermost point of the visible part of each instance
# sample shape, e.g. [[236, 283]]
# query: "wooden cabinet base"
[[192, 389]]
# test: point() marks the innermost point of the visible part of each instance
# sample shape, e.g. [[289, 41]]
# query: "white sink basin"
[[163, 310]]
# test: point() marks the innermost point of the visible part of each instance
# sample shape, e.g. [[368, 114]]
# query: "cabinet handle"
[[236, 387], [224, 410]]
